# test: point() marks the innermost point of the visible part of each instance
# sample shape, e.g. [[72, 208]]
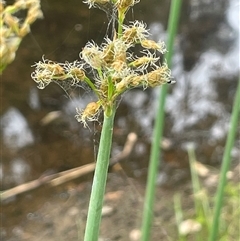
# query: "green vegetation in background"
[[198, 225], [158, 128], [225, 165]]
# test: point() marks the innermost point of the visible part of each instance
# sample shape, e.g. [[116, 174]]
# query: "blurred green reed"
[[233, 128], [197, 224], [158, 128], [202, 208]]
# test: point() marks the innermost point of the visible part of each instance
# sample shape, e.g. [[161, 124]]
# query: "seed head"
[[120, 50], [112, 65], [74, 71], [142, 63], [138, 80], [121, 70], [135, 33], [118, 65], [46, 71], [124, 84], [124, 5], [150, 44], [108, 52], [158, 76], [90, 113], [92, 55]]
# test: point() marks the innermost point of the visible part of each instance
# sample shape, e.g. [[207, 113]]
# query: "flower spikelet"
[[90, 113], [151, 44], [159, 76], [135, 33], [92, 55], [124, 84], [124, 5], [75, 72], [46, 71], [120, 50], [142, 63], [108, 52]]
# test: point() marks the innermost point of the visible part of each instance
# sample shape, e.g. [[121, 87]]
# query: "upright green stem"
[[121, 17], [158, 129], [225, 165], [99, 180], [92, 86]]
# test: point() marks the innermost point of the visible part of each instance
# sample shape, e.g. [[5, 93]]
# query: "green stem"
[[158, 129], [121, 17], [91, 85], [110, 88], [99, 180], [225, 165]]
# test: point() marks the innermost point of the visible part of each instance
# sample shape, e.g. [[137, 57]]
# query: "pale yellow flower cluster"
[[114, 66], [13, 29], [114, 60], [47, 71]]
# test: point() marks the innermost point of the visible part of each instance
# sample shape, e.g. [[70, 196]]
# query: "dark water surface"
[[205, 66]]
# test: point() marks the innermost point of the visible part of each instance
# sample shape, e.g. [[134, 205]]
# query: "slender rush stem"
[[121, 17], [158, 129], [99, 180], [225, 165]]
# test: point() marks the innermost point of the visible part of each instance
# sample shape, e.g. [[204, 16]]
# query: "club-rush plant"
[[115, 69]]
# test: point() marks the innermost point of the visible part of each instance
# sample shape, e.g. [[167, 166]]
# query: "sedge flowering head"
[[111, 68]]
